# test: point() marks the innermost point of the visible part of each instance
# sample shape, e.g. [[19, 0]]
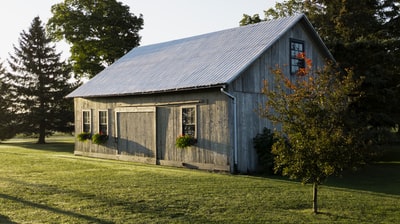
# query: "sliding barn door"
[[136, 132]]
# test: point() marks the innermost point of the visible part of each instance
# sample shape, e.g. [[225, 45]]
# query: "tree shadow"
[[383, 177], [52, 209], [175, 212], [6, 220], [64, 147]]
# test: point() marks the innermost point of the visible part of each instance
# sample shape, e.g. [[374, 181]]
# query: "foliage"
[[84, 136], [319, 137], [99, 138], [364, 36], [46, 184], [38, 83], [100, 32], [263, 144], [6, 128], [250, 19], [184, 141]]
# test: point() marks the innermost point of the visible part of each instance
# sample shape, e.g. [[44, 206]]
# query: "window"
[[189, 121], [296, 63], [103, 124], [86, 121]]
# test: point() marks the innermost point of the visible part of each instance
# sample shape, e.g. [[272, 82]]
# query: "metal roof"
[[202, 61]]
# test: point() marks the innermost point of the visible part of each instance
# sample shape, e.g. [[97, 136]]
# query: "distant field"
[[48, 184]]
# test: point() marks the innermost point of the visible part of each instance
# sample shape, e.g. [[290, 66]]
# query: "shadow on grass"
[[132, 206], [52, 145], [6, 220], [55, 210], [381, 177]]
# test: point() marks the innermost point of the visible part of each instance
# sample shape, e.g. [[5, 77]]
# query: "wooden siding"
[[138, 134], [247, 89], [215, 147]]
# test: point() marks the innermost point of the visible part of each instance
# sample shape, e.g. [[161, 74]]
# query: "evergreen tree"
[[7, 130], [39, 81]]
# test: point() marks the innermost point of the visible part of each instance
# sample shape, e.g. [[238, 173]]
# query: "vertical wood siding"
[[152, 135], [214, 116], [247, 89]]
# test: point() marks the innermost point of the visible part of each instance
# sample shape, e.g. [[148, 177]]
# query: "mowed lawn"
[[48, 184]]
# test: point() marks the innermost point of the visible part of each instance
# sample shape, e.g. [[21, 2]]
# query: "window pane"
[[189, 121], [86, 121], [296, 47], [103, 126]]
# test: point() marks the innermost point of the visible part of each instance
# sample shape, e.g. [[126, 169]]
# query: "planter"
[[185, 141]]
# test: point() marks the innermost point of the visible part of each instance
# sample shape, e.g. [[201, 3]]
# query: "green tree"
[[100, 32], [38, 82], [363, 35], [319, 137], [7, 129]]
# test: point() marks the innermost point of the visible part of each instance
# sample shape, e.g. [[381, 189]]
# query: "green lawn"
[[48, 184]]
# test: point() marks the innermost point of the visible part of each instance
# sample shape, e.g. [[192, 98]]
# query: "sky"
[[164, 20]]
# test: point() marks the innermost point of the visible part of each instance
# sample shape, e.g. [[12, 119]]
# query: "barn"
[[206, 86]]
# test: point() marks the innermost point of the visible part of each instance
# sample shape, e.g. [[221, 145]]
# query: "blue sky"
[[163, 19]]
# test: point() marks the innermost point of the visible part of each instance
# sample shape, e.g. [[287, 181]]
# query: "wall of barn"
[[212, 150], [247, 88]]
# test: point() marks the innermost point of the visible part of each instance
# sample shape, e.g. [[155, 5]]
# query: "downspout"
[[235, 159]]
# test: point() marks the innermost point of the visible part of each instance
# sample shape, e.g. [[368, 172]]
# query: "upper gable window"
[[296, 49]]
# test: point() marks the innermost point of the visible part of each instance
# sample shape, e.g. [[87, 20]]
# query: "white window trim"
[[90, 121], [107, 123], [195, 119]]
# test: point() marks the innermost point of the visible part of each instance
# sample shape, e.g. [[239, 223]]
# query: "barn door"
[[135, 131]]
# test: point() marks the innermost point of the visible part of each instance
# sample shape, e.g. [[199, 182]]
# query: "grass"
[[48, 184]]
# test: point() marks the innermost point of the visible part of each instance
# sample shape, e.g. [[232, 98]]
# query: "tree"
[[363, 35], [319, 134], [100, 32], [38, 83], [6, 128]]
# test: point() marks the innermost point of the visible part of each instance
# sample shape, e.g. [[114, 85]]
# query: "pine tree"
[[39, 80], [6, 128]]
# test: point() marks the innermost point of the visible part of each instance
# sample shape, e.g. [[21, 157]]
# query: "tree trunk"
[[315, 198], [42, 133]]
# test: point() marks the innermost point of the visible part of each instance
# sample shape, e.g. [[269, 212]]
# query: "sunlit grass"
[[48, 184]]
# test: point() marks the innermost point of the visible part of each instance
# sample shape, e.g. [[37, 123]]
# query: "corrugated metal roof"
[[196, 62]]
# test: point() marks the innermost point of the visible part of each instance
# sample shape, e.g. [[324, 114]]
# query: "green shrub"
[[263, 144], [84, 136], [99, 139], [184, 141]]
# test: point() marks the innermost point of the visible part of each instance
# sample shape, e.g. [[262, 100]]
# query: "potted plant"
[[184, 141], [82, 137], [99, 138]]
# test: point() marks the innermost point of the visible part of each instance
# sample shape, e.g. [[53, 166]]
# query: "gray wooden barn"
[[208, 86]]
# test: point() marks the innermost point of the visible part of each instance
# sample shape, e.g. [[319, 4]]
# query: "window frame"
[[89, 121], [182, 108], [100, 124], [293, 57]]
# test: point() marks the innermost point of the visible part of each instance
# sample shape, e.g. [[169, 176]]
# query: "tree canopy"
[[100, 32], [363, 35], [37, 84], [6, 128], [319, 135]]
